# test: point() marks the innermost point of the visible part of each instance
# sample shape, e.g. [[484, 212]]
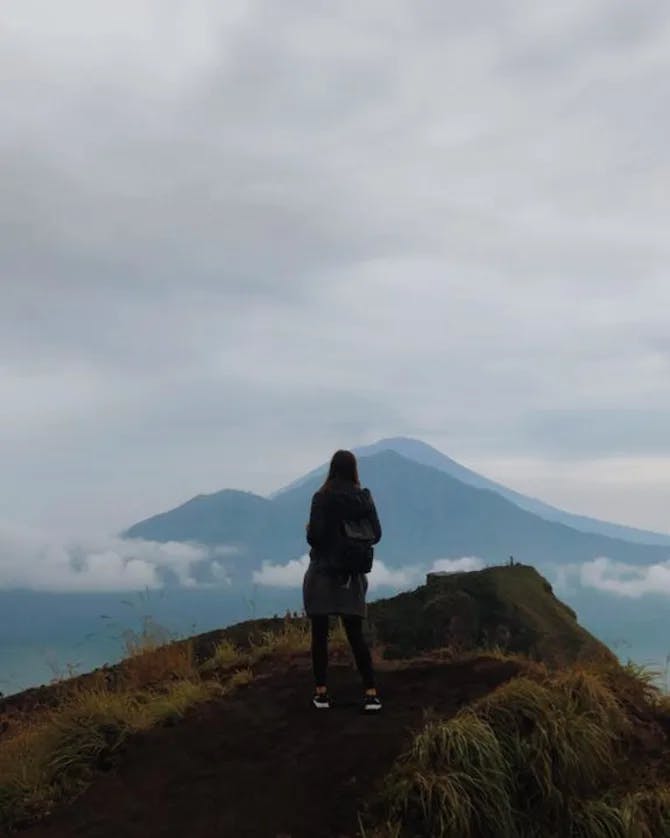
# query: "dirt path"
[[262, 764]]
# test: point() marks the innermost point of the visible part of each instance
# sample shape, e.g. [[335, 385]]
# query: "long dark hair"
[[343, 467]]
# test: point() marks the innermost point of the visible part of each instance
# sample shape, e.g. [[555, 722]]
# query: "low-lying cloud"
[[290, 575], [282, 575], [38, 561], [465, 563], [626, 580]]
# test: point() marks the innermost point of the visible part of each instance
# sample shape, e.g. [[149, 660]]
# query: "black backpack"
[[355, 552]]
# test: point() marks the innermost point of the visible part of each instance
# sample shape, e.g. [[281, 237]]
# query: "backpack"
[[355, 551]]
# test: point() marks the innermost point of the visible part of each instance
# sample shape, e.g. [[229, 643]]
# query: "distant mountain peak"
[[425, 454]]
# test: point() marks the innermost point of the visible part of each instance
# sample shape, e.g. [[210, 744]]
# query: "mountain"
[[426, 515], [420, 452]]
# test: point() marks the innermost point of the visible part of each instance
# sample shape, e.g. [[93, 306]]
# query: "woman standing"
[[327, 592]]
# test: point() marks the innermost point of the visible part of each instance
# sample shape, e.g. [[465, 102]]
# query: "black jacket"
[[342, 502]]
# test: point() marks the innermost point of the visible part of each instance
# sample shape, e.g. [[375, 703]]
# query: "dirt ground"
[[262, 763]]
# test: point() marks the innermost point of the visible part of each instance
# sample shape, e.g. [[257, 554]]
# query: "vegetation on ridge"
[[51, 756], [511, 607], [575, 745], [544, 754]]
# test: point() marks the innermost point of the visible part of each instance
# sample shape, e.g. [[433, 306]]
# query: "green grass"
[[454, 781], [542, 755]]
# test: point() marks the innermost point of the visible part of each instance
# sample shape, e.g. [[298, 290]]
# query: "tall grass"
[[540, 756], [454, 781], [226, 654], [153, 657], [293, 638], [57, 752], [646, 813], [55, 758], [56, 755]]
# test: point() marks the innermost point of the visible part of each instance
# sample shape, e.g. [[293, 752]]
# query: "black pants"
[[353, 627]]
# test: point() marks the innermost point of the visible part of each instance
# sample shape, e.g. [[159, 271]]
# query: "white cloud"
[[38, 561], [290, 575], [402, 578], [457, 565], [603, 574]]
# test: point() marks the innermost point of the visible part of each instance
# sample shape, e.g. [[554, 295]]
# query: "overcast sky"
[[234, 236]]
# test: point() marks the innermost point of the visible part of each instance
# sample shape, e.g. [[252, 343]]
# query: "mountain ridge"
[[502, 664], [425, 454], [426, 515]]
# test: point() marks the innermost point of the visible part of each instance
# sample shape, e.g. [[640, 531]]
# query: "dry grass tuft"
[[454, 781], [646, 813], [241, 678], [226, 655], [595, 819], [538, 756], [293, 638], [150, 667], [588, 694]]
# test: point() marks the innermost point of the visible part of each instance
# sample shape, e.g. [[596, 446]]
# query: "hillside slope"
[[509, 607], [261, 765], [255, 761]]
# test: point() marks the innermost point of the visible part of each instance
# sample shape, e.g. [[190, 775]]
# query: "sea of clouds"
[[41, 561]]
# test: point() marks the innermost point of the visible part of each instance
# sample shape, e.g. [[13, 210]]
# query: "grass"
[[589, 695], [239, 679], [226, 655], [293, 638], [153, 657], [509, 607], [56, 753], [390, 829], [544, 754], [453, 781], [57, 757], [646, 813]]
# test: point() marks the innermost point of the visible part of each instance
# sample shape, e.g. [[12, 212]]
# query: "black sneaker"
[[372, 704], [321, 701]]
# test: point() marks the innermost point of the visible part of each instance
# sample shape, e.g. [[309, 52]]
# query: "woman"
[[326, 592]]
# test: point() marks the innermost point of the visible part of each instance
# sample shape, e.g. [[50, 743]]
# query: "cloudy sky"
[[234, 236]]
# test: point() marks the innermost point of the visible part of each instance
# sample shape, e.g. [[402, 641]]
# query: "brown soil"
[[261, 763]]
